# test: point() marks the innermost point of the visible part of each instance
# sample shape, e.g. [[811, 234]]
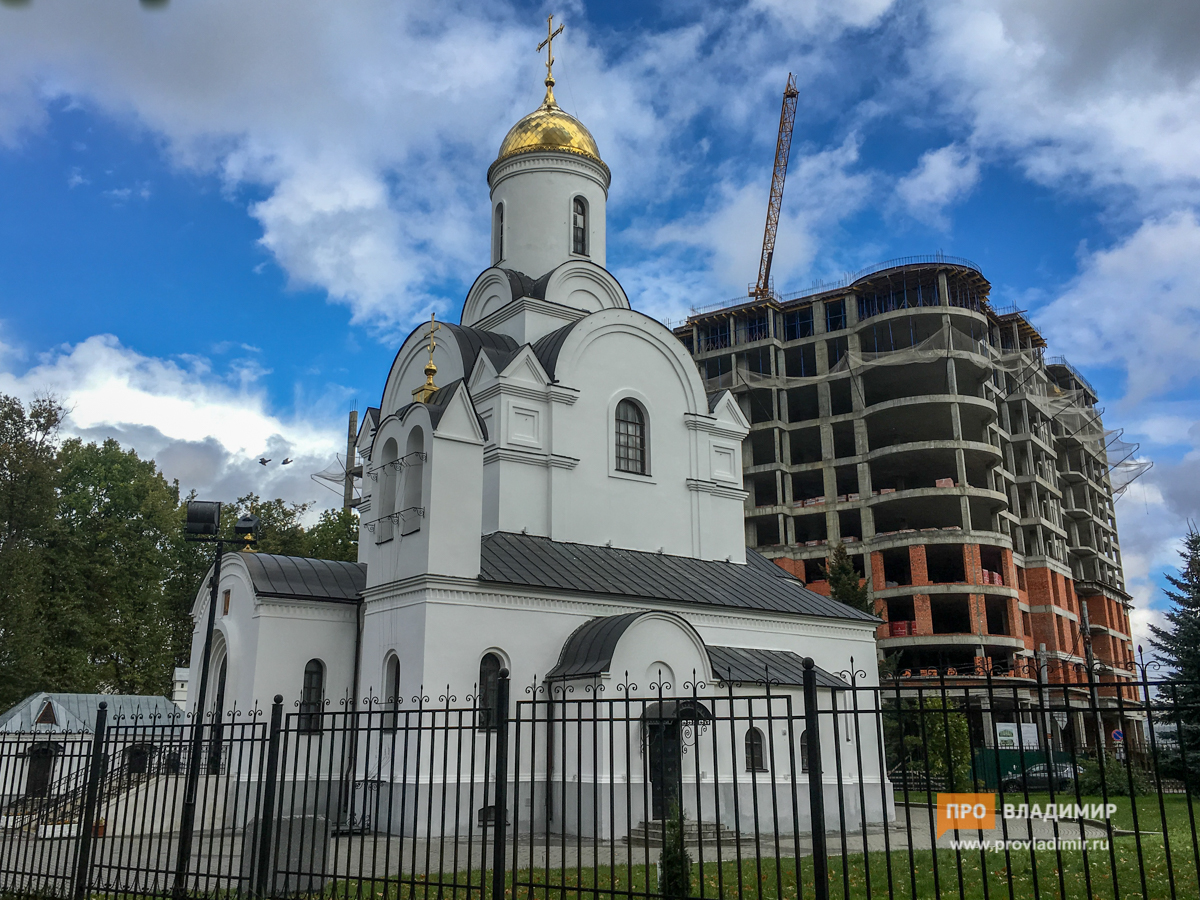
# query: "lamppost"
[[203, 526]]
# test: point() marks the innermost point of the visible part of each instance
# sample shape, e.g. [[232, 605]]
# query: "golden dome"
[[549, 128]]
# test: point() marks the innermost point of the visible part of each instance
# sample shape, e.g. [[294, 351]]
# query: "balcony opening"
[[900, 609], [801, 362], [944, 562], [802, 402], [897, 568], [850, 525], [843, 440], [798, 323], [762, 406], [847, 482], [766, 531], [717, 372], [991, 560], [810, 529], [765, 492], [808, 486], [881, 384], [806, 445], [997, 615], [762, 447], [835, 349], [841, 398], [951, 613]]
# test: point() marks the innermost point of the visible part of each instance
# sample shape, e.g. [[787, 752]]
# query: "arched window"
[[312, 696], [386, 505], [411, 507], [489, 679], [391, 691], [579, 226], [804, 751], [498, 235], [756, 760], [631, 438]]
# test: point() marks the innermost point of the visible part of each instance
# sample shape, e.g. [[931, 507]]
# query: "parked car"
[[1041, 777]]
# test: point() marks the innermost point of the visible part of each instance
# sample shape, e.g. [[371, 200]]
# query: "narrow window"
[[498, 235], [755, 760], [312, 695], [391, 692], [489, 679], [579, 227], [225, 604], [411, 508], [631, 438]]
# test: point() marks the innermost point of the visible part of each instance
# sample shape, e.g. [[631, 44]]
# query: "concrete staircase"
[[693, 833]]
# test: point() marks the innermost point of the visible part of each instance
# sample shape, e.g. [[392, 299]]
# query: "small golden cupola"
[[549, 128]]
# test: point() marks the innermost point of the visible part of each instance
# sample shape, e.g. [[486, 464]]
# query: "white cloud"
[[1098, 94], [1135, 307], [205, 428], [942, 177]]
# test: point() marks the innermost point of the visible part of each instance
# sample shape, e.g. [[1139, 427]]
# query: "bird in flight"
[[262, 460], [286, 461]]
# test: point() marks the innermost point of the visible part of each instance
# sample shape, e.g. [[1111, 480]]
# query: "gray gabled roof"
[[300, 578], [473, 341], [589, 650], [751, 665], [548, 346], [76, 713], [530, 561], [437, 404]]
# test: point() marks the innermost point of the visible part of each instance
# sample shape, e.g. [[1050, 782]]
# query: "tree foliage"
[[1178, 646], [96, 581], [845, 584]]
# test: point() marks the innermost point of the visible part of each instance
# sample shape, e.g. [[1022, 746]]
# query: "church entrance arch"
[[667, 726]]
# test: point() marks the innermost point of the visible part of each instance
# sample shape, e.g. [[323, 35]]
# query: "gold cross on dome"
[[433, 326], [548, 43]]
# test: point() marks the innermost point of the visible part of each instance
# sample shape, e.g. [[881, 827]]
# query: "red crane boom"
[[783, 148]]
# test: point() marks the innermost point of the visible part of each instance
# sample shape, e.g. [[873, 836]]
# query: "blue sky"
[[219, 220]]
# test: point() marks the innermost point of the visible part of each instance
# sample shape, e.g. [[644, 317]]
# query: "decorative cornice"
[[552, 161], [717, 490], [706, 424], [542, 460]]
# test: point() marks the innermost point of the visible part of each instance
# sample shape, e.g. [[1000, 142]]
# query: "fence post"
[[266, 815], [816, 782], [500, 797], [83, 850]]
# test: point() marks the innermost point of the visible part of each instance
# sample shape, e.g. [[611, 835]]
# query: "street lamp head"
[[247, 528], [203, 518]]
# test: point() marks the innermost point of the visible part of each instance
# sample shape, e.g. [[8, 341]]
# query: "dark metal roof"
[[540, 562], [472, 341], [589, 650], [437, 402], [748, 664], [547, 347], [715, 398], [300, 578], [76, 713], [522, 285]]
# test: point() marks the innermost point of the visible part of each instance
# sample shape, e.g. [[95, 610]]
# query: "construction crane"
[[783, 148]]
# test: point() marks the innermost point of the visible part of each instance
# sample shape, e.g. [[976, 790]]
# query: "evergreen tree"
[[845, 583], [1178, 646], [675, 861]]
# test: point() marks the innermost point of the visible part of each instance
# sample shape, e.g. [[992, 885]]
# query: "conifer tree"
[[1178, 646], [844, 581]]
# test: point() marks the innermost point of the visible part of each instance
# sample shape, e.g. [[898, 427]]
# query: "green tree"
[[1178, 646], [335, 536], [28, 440], [110, 564], [675, 861], [845, 584]]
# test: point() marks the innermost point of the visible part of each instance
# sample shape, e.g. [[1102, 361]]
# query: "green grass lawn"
[[969, 875]]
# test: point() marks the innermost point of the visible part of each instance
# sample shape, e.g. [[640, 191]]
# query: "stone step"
[[693, 833]]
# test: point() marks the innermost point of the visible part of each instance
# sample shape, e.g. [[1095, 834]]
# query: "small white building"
[[549, 489]]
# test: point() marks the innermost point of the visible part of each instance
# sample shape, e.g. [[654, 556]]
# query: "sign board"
[[1118, 735], [1016, 735]]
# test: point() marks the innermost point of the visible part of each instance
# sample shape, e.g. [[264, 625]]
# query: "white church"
[[547, 488]]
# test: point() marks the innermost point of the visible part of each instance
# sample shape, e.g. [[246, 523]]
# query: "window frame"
[[309, 719], [617, 435], [756, 741], [580, 235]]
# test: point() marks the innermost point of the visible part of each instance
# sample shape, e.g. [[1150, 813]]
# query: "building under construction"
[[968, 473]]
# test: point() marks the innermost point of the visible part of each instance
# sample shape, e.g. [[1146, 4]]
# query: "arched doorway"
[[665, 725]]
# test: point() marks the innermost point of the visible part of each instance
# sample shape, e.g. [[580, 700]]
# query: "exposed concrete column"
[[943, 290]]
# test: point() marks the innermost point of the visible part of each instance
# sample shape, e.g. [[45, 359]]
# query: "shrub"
[[675, 862], [1116, 778]]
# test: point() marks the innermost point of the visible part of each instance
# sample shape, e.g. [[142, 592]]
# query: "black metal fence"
[[964, 786]]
